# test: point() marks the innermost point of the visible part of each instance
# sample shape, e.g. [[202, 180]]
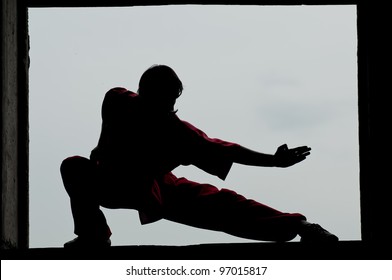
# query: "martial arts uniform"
[[132, 165]]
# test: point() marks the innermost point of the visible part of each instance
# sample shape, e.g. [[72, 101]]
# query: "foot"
[[314, 233], [81, 243]]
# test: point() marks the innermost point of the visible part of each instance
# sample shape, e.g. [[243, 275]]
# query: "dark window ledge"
[[343, 250]]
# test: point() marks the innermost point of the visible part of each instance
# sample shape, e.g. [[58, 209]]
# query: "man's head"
[[160, 87]]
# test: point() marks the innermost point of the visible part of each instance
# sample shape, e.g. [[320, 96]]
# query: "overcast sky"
[[260, 76]]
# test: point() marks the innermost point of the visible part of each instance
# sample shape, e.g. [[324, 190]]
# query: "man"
[[142, 141]]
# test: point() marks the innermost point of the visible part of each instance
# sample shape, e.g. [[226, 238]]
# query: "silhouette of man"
[[142, 141]]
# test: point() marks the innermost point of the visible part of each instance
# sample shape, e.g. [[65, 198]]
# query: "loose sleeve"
[[212, 155]]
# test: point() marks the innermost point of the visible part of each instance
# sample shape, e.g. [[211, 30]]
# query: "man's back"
[[133, 138]]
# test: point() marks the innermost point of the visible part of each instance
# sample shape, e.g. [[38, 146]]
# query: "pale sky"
[[260, 76]]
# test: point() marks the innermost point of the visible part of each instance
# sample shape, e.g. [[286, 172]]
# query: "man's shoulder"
[[120, 91], [117, 100], [119, 95]]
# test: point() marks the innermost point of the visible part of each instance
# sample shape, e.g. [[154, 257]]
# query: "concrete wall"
[[374, 120], [14, 128]]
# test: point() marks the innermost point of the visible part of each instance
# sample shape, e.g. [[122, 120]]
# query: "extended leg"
[[205, 206]]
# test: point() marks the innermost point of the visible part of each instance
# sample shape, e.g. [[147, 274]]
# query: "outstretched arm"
[[283, 157]]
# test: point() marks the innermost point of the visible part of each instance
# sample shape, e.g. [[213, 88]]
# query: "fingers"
[[300, 150], [299, 154], [303, 151]]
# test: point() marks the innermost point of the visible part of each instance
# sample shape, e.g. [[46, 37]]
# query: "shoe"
[[86, 243], [314, 233]]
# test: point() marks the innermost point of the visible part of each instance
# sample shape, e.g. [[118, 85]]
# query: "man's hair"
[[160, 79]]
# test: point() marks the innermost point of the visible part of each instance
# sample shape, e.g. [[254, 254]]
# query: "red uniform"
[[131, 168]]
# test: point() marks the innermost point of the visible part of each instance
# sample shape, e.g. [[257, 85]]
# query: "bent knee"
[[72, 163], [73, 167]]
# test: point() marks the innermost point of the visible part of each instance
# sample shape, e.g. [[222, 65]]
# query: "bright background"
[[260, 76]]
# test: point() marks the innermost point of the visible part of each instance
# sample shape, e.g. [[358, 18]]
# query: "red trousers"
[[183, 201]]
